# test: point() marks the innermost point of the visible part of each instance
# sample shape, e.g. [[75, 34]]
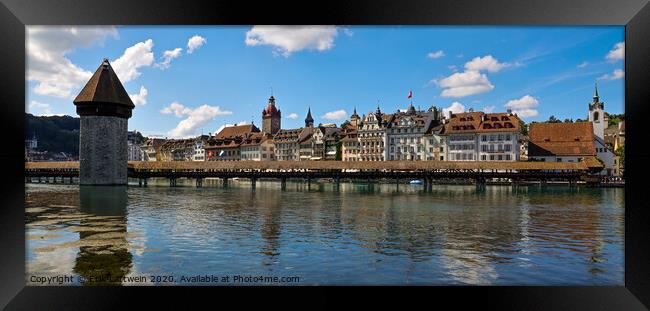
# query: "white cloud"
[[194, 118], [617, 74], [455, 107], [134, 57], [47, 110], [489, 109], [335, 115], [292, 116], [617, 53], [463, 84], [168, 56], [487, 63], [194, 43], [47, 65], [290, 39], [140, 99], [524, 107], [436, 54], [452, 68], [583, 64]]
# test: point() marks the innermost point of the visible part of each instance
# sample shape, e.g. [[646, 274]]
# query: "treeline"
[[54, 133]]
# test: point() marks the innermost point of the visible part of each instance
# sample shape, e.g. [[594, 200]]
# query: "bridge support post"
[[283, 184], [70, 179], [480, 183], [199, 182], [139, 182], [145, 182], [253, 183], [397, 183], [515, 184], [225, 182], [308, 183], [39, 179], [338, 182]]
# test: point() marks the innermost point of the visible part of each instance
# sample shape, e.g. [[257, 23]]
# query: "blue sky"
[[228, 76]]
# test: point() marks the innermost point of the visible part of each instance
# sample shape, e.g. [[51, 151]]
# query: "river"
[[356, 234]]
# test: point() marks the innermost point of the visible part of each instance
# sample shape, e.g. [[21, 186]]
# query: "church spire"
[[309, 121], [596, 97]]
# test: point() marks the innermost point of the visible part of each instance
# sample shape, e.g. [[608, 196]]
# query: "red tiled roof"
[[236, 131], [561, 139], [480, 122]]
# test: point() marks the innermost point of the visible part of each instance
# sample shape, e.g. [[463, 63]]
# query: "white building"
[[479, 136], [199, 148], [372, 136]]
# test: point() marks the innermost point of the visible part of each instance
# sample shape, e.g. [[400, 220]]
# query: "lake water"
[[357, 234]]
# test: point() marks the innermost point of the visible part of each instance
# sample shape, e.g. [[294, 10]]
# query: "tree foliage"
[[54, 133]]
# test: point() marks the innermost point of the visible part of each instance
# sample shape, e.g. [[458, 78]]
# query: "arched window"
[[596, 116]]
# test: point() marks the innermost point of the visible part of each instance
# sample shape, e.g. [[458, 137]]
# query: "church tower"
[[104, 107], [309, 121], [271, 117], [354, 118], [597, 114]]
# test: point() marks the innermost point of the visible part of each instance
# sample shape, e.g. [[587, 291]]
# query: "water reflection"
[[352, 234], [103, 258]]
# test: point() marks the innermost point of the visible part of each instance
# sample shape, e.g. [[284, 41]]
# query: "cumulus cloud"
[[524, 107], [47, 65], [436, 54], [461, 84], [167, 58], [136, 56], [617, 53], [617, 74], [194, 118], [486, 63], [289, 39], [292, 116], [194, 43], [140, 99], [335, 115], [455, 107]]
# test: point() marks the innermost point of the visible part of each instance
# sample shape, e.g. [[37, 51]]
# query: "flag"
[[221, 153], [410, 94], [210, 154]]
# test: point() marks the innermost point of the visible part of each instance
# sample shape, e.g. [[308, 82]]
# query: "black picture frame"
[[634, 14]]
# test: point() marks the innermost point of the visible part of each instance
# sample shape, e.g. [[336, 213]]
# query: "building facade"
[[258, 147], [479, 136], [561, 142], [372, 136], [225, 145]]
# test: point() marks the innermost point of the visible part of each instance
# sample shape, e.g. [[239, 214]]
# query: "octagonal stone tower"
[[104, 107]]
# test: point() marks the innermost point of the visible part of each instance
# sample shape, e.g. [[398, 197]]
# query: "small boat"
[[415, 182]]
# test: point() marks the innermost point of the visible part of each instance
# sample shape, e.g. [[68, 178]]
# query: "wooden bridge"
[[427, 171]]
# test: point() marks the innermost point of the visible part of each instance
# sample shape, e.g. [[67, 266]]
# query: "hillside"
[[54, 133]]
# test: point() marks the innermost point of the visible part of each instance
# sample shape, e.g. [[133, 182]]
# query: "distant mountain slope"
[[54, 133]]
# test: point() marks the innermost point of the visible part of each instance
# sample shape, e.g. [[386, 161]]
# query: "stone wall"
[[103, 150]]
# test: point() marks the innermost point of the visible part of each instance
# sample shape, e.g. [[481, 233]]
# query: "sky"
[[186, 81]]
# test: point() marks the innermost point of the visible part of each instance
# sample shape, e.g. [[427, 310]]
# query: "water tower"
[[104, 107]]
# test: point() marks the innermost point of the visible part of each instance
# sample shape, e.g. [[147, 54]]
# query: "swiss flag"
[[410, 94]]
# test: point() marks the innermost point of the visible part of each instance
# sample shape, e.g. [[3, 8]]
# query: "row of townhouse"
[[416, 135]]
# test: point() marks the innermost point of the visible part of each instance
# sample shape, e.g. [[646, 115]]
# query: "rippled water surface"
[[358, 234]]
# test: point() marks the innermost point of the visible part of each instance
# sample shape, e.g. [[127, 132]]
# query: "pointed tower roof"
[[354, 113], [104, 86], [596, 97], [309, 119], [104, 94]]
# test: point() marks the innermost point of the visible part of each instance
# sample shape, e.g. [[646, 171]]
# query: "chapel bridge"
[[427, 171]]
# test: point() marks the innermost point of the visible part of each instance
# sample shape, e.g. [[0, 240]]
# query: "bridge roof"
[[320, 165]]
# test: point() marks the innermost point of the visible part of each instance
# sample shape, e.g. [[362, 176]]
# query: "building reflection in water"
[[104, 257]]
